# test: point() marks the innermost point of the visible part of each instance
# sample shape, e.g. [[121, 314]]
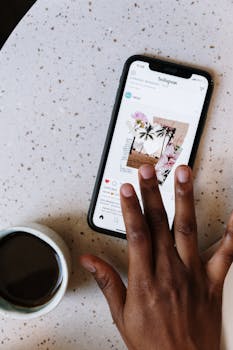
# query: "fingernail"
[[147, 171], [127, 190], [89, 267], [183, 174]]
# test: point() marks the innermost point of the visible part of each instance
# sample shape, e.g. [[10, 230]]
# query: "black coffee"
[[29, 270]]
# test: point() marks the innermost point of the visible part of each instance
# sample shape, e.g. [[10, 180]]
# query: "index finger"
[[138, 235]]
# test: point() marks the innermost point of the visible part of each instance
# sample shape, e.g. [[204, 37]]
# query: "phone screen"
[[156, 124]]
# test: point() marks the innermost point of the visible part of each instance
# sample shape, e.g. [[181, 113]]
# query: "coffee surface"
[[29, 270]]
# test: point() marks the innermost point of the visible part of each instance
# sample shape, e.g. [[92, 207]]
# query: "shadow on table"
[[11, 12], [80, 240]]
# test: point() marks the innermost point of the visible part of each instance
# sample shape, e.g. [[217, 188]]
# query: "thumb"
[[109, 282]]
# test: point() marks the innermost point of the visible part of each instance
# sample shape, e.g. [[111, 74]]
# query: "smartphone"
[[157, 119]]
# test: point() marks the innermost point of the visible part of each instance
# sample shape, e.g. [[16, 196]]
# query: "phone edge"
[[111, 128]]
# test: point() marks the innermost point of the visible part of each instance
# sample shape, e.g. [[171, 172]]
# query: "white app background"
[[164, 106]]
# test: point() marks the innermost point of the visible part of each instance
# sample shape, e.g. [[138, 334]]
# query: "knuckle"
[[167, 283], [227, 257], [136, 235], [183, 190], [104, 281], [177, 276], [170, 289], [172, 277], [186, 228], [142, 287]]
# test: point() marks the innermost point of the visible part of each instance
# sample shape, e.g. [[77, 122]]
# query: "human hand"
[[173, 299]]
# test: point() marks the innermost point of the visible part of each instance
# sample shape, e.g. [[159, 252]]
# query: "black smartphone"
[[157, 119]]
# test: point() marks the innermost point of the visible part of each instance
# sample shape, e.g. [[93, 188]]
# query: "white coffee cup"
[[56, 242]]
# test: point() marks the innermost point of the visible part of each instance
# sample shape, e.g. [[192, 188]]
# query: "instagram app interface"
[[156, 124]]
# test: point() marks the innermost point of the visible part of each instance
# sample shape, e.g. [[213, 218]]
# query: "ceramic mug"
[[50, 237]]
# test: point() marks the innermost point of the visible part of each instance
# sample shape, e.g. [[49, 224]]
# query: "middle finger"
[[138, 235], [154, 210]]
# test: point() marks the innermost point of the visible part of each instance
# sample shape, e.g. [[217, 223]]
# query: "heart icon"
[[107, 181]]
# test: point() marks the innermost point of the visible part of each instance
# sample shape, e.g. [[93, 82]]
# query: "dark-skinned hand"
[[173, 299]]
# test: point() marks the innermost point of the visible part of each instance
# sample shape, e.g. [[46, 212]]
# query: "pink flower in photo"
[[170, 151], [166, 162], [139, 116], [163, 163], [171, 155]]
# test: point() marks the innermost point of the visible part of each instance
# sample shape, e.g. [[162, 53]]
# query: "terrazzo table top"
[[59, 73]]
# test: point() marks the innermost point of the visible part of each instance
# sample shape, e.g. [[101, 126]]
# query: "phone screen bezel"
[[162, 64]]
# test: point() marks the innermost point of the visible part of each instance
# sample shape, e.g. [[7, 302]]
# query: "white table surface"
[[59, 73]]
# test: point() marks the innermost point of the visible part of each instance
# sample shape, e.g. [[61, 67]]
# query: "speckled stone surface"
[[59, 73]]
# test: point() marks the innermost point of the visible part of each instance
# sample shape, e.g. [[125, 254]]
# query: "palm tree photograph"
[[156, 141]]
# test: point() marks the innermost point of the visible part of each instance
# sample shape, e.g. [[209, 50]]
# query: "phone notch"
[[171, 69]]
